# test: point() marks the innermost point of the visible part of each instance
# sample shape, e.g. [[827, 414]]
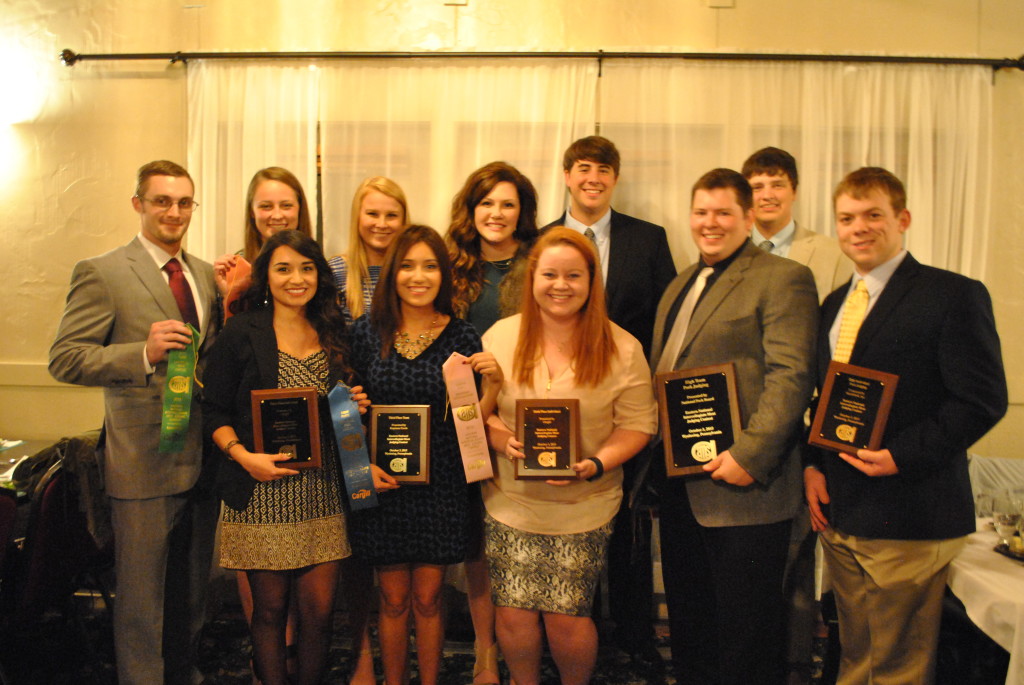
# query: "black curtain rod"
[[70, 58]]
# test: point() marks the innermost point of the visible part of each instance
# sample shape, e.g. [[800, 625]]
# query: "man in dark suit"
[[898, 515], [635, 258], [125, 312], [724, 535], [636, 265]]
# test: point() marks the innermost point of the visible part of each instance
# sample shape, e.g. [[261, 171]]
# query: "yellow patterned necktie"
[[849, 325]]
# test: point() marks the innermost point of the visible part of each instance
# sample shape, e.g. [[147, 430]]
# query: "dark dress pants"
[[724, 592], [630, 571]]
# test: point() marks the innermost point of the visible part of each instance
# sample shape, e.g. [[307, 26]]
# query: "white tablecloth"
[[991, 587]]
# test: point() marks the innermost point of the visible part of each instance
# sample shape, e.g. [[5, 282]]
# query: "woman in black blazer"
[[285, 528]]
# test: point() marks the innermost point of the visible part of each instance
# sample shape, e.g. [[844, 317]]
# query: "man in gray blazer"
[[125, 311], [724, 535], [772, 175]]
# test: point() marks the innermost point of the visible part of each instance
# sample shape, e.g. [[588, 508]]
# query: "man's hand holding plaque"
[[853, 408], [699, 416], [725, 468]]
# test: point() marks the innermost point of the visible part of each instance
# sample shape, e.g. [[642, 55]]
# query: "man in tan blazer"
[[772, 175], [724, 535], [120, 321]]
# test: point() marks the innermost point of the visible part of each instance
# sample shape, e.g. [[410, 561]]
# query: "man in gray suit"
[[125, 312], [724, 535], [773, 177]]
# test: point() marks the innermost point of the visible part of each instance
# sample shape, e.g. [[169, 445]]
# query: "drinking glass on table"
[[1005, 515], [1020, 525], [983, 504]]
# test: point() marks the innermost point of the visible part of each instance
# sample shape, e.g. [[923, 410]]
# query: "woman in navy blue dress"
[[398, 352]]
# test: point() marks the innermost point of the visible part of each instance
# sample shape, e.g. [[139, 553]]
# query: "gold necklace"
[[410, 347]]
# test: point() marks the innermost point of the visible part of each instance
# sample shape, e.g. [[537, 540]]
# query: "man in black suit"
[[896, 516], [637, 266], [636, 262]]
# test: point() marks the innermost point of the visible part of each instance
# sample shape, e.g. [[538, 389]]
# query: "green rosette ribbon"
[[178, 387]]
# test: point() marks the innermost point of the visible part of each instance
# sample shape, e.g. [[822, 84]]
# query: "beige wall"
[[66, 166]]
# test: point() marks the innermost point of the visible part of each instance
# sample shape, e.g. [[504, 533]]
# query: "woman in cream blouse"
[[546, 539]]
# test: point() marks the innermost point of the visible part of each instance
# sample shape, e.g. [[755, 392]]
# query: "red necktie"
[[182, 292]]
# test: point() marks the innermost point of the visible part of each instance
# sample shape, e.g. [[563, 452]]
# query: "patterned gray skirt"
[[556, 574]]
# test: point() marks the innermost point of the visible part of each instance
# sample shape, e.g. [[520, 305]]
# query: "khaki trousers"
[[889, 599]]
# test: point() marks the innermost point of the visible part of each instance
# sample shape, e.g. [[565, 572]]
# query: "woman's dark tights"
[[315, 588]]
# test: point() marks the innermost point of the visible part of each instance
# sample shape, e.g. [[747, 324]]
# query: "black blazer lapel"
[[560, 221], [264, 344], [616, 257], [829, 311]]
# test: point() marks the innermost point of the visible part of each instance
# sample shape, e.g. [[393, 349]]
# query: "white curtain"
[[242, 117], [428, 123], [674, 120]]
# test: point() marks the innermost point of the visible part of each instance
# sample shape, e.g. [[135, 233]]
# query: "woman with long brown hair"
[[546, 540], [285, 529], [493, 226], [417, 529]]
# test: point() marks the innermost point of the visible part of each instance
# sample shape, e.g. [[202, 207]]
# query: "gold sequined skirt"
[[283, 546]]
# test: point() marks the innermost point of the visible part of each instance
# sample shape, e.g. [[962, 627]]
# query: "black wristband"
[[600, 468]]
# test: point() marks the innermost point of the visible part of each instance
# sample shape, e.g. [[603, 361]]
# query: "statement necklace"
[[410, 347]]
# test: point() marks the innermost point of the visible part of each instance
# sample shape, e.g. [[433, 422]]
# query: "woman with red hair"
[[546, 540]]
